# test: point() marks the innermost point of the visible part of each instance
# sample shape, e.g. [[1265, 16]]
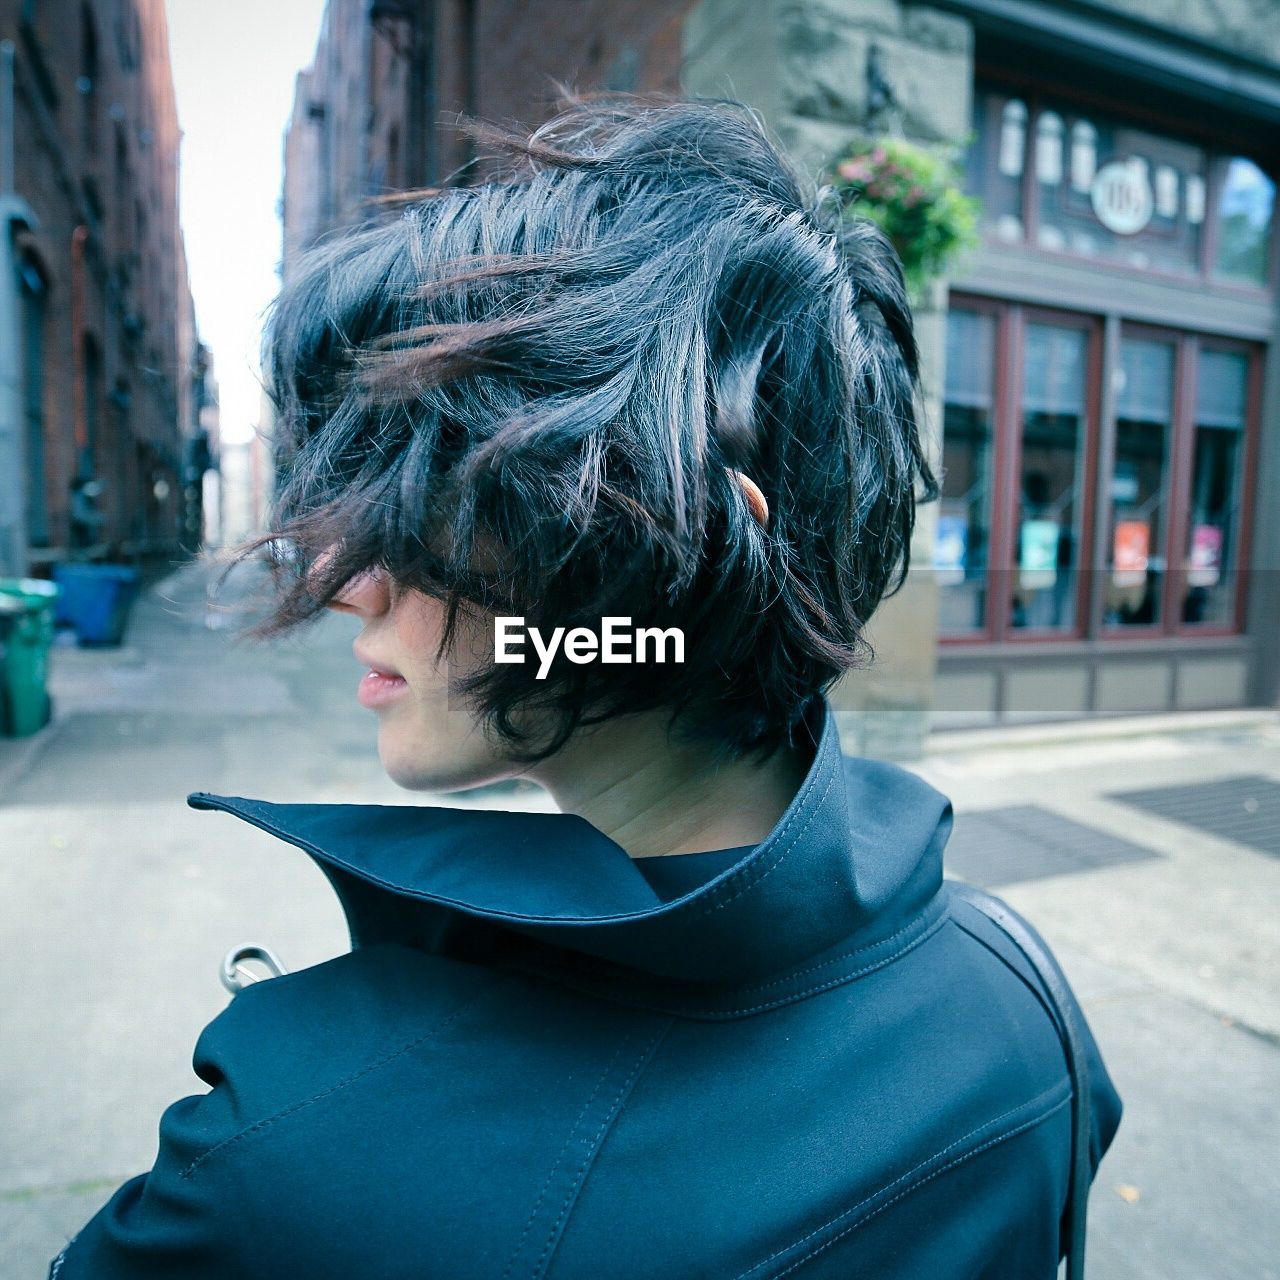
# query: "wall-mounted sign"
[[1122, 197], [1204, 565], [1038, 553], [1130, 553]]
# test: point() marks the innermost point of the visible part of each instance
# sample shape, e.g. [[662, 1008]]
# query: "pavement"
[[117, 904]]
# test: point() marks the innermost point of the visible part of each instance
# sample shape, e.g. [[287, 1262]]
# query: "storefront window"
[[960, 546], [1052, 451], [1139, 490], [1216, 483], [1158, 519], [1245, 207]]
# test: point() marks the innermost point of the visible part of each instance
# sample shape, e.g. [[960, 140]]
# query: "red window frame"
[[1254, 355], [1011, 319], [1172, 483]]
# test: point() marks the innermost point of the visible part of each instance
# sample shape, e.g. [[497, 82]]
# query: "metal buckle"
[[235, 973]]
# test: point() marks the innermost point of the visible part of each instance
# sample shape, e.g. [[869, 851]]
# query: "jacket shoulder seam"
[[918, 931], [920, 926], [922, 935], [1027, 1115], [259, 1126], [1032, 985]]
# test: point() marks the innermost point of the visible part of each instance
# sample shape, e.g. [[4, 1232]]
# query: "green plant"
[[913, 195]]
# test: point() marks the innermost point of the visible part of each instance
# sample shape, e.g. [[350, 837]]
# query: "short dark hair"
[[525, 394]]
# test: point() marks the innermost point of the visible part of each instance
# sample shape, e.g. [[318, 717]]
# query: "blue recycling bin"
[[95, 600]]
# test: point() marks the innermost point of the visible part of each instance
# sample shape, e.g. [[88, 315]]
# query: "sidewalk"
[[122, 901], [1171, 938]]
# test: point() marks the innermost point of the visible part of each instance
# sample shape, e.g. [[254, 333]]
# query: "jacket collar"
[[857, 854]]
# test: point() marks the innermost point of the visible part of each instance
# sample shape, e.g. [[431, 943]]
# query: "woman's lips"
[[380, 684], [377, 688]]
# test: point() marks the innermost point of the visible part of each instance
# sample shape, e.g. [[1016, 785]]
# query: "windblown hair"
[[523, 397]]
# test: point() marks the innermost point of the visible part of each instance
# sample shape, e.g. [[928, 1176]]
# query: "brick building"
[[1101, 375], [100, 418], [371, 114]]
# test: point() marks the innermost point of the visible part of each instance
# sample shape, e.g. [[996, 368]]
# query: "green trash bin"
[[26, 635]]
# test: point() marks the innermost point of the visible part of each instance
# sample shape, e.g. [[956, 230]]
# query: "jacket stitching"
[[259, 1125], [1038, 1118], [830, 982], [555, 1164], [611, 1114], [749, 881], [845, 955], [1030, 1123], [567, 980]]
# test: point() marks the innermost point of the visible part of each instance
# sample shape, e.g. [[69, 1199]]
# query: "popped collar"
[[854, 863]]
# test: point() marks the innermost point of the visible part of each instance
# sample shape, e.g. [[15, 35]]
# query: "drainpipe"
[[15, 215], [83, 465]]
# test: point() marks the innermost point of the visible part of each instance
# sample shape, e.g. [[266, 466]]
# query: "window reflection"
[[1084, 155], [1144, 412], [993, 171], [1216, 480], [960, 546], [1245, 206], [1013, 137], [1053, 426], [1049, 134]]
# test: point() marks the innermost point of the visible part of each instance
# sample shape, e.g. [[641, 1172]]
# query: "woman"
[[720, 1017]]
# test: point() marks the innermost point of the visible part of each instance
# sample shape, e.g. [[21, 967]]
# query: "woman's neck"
[[653, 797]]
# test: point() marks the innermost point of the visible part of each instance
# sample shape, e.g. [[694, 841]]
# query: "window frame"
[[1011, 319], [1173, 489], [1251, 432], [999, 313], [1009, 482]]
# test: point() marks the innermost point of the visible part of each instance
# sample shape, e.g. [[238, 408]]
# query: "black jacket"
[[545, 1058]]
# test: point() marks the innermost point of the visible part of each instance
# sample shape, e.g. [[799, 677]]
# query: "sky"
[[234, 65]]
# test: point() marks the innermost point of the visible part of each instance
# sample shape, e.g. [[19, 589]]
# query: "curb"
[[954, 741]]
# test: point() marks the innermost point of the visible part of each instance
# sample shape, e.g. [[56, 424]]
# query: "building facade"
[[373, 115], [1100, 374], [100, 418]]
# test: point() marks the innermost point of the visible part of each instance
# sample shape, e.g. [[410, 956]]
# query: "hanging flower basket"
[[913, 195]]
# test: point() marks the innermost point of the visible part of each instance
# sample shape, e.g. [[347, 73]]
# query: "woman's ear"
[[754, 496]]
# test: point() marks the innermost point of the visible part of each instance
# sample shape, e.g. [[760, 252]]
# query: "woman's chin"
[[436, 766]]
